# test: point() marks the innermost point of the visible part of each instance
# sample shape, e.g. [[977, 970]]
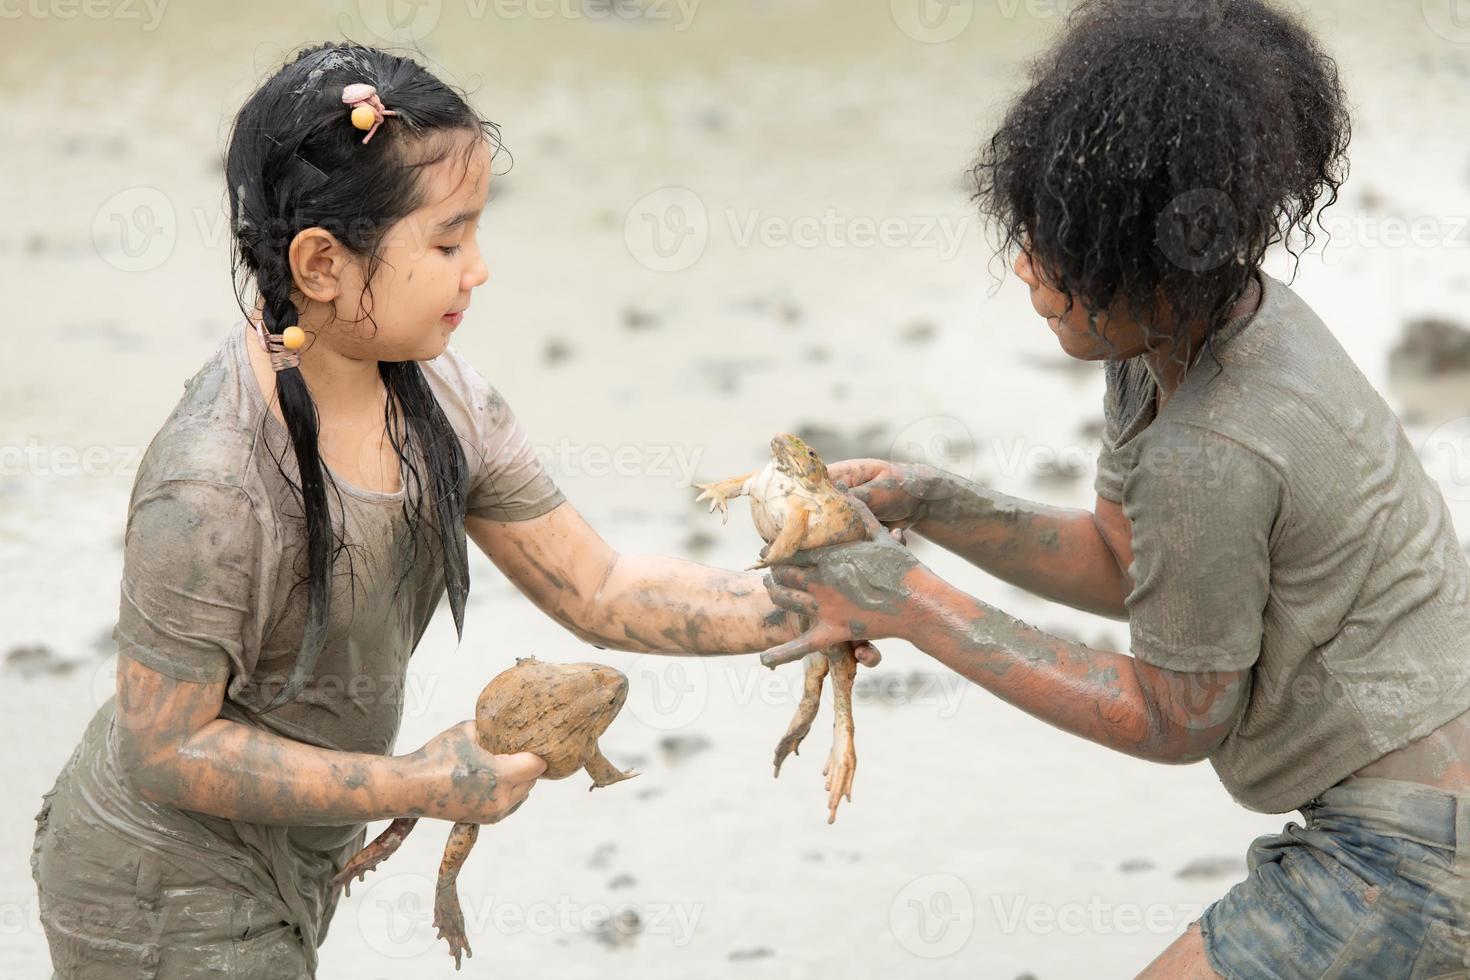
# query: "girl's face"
[[427, 265], [1124, 336]]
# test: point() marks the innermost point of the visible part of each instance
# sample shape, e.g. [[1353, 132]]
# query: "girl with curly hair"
[[1297, 599]]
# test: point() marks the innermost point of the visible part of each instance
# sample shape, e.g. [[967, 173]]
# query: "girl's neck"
[[343, 388], [1168, 370]]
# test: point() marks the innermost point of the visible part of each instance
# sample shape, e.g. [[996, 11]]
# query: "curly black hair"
[[1159, 151]]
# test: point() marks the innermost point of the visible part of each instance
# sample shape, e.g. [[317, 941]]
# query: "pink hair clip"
[[367, 109], [284, 348]]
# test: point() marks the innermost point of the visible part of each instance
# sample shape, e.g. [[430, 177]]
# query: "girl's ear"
[[317, 261]]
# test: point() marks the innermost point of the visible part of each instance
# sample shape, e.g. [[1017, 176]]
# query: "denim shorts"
[[1376, 885]]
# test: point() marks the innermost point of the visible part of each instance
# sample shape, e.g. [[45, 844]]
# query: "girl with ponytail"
[[293, 527]]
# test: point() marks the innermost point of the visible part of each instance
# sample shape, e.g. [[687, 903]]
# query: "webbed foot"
[[448, 917], [373, 854], [806, 709]]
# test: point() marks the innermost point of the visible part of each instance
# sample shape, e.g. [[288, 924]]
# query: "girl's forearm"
[[230, 770], [653, 604], [1057, 553]]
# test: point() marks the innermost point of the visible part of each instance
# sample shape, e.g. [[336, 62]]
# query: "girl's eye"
[[449, 249]]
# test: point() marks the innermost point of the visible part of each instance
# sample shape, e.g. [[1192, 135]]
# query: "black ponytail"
[[294, 162]]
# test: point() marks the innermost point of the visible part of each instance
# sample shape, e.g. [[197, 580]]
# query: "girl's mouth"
[[453, 318]]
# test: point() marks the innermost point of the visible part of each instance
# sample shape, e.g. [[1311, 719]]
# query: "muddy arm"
[[1072, 556], [638, 603], [176, 750], [1076, 557]]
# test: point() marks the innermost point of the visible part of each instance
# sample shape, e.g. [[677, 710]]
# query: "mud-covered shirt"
[[213, 590], [1283, 524]]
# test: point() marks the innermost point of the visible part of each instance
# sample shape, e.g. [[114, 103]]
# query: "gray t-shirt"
[[1282, 523], [213, 564]]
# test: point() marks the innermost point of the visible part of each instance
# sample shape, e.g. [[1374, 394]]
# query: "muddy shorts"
[[115, 911], [1376, 885]]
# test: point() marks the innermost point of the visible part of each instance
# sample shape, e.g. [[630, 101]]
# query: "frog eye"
[[812, 453]]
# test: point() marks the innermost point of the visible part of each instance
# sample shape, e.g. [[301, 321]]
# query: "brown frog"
[[796, 506], [556, 711]]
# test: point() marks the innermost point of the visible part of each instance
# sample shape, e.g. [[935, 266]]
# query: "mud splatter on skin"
[[1057, 553], [635, 603], [1109, 698]]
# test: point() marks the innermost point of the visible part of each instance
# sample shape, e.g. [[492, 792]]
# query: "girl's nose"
[[476, 274]]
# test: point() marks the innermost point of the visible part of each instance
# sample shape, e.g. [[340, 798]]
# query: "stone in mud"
[[869, 441], [35, 661], [1212, 867], [619, 930], [680, 748], [637, 319], [1429, 348]]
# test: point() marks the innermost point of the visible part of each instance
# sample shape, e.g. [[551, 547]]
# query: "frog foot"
[[719, 493], [842, 760], [840, 768], [449, 921], [806, 709], [374, 854], [448, 917]]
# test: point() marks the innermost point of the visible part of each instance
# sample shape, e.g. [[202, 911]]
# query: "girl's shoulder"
[[474, 407], [212, 435]]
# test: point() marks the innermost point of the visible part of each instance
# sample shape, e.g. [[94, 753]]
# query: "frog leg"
[[604, 773], [806, 709], [788, 542], [719, 494], [448, 918], [842, 761], [374, 854]]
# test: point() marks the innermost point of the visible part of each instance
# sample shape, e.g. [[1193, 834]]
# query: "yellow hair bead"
[[363, 117], [293, 338]]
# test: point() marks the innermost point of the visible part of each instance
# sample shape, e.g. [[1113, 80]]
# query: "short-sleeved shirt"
[[1283, 524], [213, 589]]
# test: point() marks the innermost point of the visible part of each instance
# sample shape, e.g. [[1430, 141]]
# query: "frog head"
[[799, 461]]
